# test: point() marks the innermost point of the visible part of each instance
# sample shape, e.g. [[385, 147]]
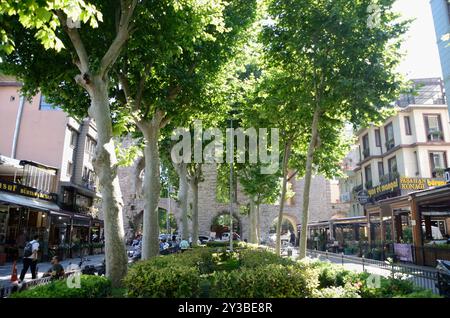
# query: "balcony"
[[435, 135], [89, 184], [358, 188], [366, 153], [389, 177], [368, 184], [390, 144]]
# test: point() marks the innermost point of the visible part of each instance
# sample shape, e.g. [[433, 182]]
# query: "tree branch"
[[126, 12], [83, 62]]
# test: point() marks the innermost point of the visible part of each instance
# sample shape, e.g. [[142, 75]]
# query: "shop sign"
[[447, 175], [384, 188], [363, 197], [26, 191], [405, 183], [403, 252]]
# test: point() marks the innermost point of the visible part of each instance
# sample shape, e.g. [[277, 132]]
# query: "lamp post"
[[231, 182], [168, 211]]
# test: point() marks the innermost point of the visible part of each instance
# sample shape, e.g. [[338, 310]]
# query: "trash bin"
[[443, 276]]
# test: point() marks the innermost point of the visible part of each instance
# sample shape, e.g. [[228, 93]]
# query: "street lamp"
[[168, 210], [231, 182]]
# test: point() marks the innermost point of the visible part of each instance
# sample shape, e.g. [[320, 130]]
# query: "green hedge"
[[91, 287], [250, 272], [175, 281], [265, 281]]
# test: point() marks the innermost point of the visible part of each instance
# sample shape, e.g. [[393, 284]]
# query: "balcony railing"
[[390, 144], [366, 153], [435, 135], [358, 188]]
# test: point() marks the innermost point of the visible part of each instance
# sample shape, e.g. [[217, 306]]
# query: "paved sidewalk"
[[6, 270]]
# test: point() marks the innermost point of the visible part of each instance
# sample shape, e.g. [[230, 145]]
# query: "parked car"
[[203, 239], [226, 237]]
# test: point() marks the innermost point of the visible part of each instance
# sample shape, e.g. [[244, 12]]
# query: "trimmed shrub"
[[174, 281], [337, 292], [251, 258], [270, 281], [91, 287]]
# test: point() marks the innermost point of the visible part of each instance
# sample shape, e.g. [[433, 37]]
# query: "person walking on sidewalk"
[[30, 258]]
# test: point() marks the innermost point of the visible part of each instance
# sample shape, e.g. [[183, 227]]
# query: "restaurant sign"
[[26, 191], [407, 184]]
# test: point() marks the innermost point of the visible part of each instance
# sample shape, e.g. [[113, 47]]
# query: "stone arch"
[[292, 220]]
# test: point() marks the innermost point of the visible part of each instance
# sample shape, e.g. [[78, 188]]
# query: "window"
[[433, 127], [438, 162], [380, 170], [417, 163], [389, 131], [377, 138], [69, 168], [392, 166], [407, 125], [73, 137], [90, 146], [366, 149], [45, 105], [368, 175]]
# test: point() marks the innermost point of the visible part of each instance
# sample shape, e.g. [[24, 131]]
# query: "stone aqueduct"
[[321, 206]]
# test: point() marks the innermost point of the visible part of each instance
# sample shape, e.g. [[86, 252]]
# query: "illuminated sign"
[[26, 191]]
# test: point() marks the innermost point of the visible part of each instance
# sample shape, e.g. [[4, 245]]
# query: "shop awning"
[[28, 202]]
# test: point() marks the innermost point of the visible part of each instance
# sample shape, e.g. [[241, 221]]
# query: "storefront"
[[430, 213], [20, 219]]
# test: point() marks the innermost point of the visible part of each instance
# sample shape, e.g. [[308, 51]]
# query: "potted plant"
[[376, 253]]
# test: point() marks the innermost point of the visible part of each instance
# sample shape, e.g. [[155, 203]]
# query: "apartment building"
[[38, 138], [441, 17], [414, 143]]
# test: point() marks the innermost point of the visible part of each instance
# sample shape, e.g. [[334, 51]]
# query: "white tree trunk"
[[287, 152], [183, 199], [194, 189], [258, 225], [308, 177], [150, 240], [105, 165], [253, 223]]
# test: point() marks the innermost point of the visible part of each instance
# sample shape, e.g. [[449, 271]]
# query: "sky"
[[422, 55]]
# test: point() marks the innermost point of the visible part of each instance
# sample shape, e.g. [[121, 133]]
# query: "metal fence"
[[6, 291], [420, 276]]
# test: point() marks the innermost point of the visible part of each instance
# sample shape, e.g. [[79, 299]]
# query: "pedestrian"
[[184, 245], [30, 254], [56, 271], [292, 240]]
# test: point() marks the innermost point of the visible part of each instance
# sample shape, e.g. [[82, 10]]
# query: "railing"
[[420, 276], [6, 291]]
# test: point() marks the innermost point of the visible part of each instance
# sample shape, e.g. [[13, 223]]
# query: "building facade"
[[405, 158], [441, 17], [50, 153]]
